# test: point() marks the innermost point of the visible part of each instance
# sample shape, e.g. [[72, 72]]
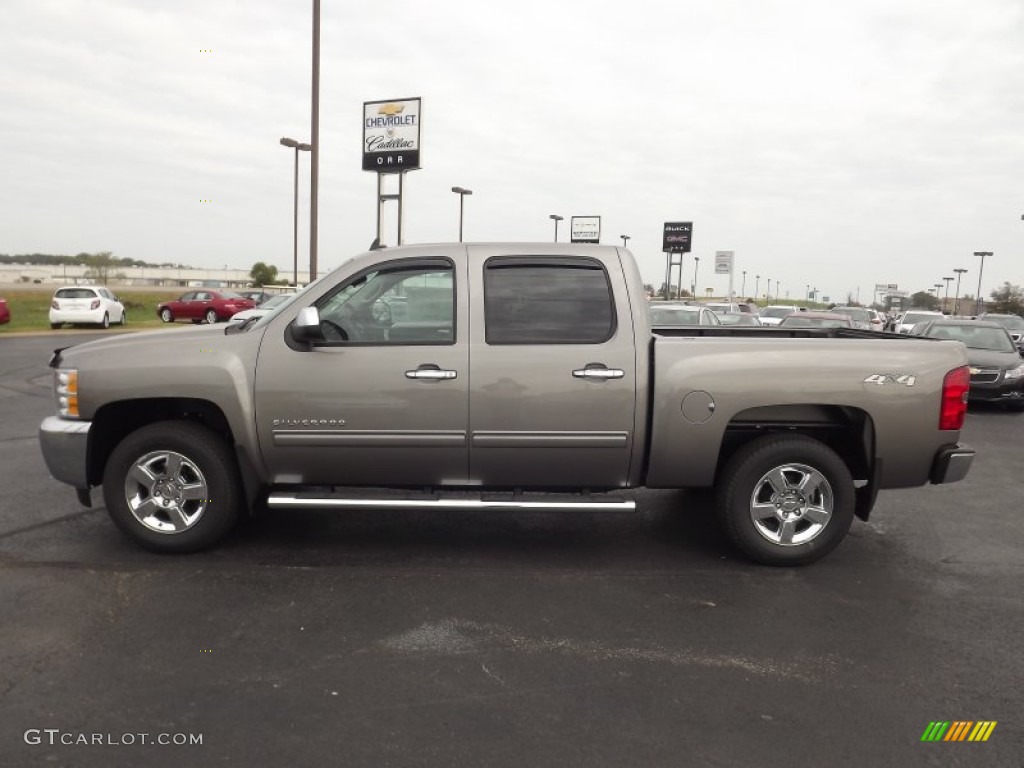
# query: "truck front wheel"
[[786, 499], [173, 486]]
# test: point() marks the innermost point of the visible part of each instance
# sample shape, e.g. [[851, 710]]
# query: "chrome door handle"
[[431, 374], [598, 373]]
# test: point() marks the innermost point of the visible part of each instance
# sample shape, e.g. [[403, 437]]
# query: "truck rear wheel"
[[173, 486], [786, 499]]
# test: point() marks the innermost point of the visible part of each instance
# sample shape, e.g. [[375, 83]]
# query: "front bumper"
[[1002, 392], [65, 445], [952, 464]]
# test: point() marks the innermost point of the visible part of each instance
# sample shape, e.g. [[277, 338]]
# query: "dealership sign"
[[723, 262], [391, 135], [676, 237], [585, 229]]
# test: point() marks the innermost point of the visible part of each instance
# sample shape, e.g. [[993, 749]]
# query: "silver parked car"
[[681, 314]]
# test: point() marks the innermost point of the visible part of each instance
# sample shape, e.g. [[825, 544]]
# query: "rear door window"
[[547, 301]]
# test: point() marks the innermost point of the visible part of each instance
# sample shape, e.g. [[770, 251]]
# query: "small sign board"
[[677, 236], [723, 262], [883, 287], [391, 135], [585, 229]]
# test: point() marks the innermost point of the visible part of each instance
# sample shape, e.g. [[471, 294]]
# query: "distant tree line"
[[83, 259]]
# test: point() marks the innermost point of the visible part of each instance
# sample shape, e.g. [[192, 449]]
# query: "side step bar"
[[332, 501]]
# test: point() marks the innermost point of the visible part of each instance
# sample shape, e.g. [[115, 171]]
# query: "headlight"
[[1015, 373], [66, 387]]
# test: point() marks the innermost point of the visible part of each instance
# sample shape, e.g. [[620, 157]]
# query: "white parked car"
[[773, 313], [913, 317], [264, 309], [92, 304]]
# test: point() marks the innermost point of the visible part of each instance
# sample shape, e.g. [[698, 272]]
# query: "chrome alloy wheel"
[[791, 504], [166, 491]]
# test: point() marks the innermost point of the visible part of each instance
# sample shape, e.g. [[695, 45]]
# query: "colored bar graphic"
[[959, 730]]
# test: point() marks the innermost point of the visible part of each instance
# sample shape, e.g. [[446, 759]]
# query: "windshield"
[[776, 311], [974, 337], [799, 321], [674, 316], [854, 313], [733, 318], [1012, 322]]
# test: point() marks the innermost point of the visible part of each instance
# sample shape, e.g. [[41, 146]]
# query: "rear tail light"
[[54, 304], [955, 387], [94, 304]]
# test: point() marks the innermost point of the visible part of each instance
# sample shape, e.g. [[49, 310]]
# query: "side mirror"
[[304, 330], [306, 326]]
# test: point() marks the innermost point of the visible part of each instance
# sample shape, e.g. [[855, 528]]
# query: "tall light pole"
[[757, 285], [807, 293], [956, 301], [778, 289], [314, 140], [462, 192], [945, 300], [768, 293], [696, 263], [556, 218], [298, 147], [983, 254], [625, 239], [743, 285]]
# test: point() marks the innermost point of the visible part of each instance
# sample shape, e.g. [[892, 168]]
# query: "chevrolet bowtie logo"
[[390, 109]]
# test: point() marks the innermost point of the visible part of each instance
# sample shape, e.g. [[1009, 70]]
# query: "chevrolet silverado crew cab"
[[500, 376]]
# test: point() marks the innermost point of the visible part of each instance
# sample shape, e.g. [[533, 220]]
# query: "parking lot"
[[506, 639]]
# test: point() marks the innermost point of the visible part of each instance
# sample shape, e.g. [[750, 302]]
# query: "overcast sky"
[[836, 144]]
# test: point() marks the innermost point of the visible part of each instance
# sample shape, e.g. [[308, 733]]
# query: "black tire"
[[105, 322], [124, 317], [143, 508], [166, 315], [211, 316], [55, 326], [813, 533]]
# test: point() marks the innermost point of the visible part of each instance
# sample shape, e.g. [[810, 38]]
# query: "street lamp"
[[807, 293], [778, 289], [314, 141], [298, 147], [743, 285], [983, 254], [956, 300], [625, 238], [768, 293], [757, 284], [945, 300], [696, 263], [556, 218], [461, 192]]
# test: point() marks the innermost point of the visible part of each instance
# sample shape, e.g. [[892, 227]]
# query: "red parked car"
[[5, 313], [200, 305]]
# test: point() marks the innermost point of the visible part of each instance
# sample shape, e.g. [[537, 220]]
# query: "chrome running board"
[[279, 500]]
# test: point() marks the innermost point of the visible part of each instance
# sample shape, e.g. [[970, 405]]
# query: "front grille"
[[985, 377]]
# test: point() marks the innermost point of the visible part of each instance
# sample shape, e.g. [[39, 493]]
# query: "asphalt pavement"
[[506, 638]]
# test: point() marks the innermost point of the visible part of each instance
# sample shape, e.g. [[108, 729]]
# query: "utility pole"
[[956, 301], [983, 254]]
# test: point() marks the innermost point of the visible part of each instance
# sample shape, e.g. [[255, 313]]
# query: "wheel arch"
[[115, 421], [847, 430]]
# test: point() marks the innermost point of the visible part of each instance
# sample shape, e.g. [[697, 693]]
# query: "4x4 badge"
[[905, 379]]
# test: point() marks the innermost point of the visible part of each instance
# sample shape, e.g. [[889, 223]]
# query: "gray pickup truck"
[[500, 376]]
